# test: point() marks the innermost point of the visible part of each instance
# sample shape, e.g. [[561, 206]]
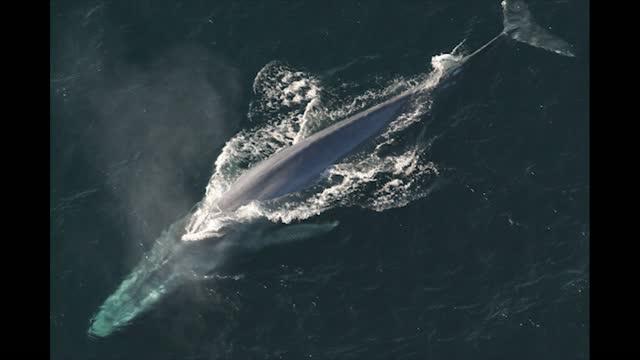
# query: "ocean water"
[[462, 231]]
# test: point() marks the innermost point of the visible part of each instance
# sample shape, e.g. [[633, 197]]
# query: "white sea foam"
[[288, 108]]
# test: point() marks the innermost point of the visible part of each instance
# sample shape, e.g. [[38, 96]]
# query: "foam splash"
[[290, 106]]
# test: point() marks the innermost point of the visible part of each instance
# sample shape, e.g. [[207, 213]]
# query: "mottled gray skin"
[[299, 165]]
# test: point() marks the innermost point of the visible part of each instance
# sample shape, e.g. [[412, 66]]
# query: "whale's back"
[[298, 166]]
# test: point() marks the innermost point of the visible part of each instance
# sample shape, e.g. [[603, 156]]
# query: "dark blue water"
[[492, 265]]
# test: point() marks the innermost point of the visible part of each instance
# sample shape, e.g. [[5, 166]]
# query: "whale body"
[[172, 261]]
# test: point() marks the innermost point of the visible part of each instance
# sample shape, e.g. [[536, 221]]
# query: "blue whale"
[[171, 262]]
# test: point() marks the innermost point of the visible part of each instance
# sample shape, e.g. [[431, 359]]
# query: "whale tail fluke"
[[520, 26]]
